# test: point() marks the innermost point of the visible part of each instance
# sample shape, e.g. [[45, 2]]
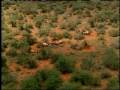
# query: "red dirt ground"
[[65, 77], [92, 36]]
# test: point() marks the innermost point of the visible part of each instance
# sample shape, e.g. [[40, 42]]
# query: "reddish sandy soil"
[[92, 36], [104, 84], [66, 77], [77, 65], [89, 49]]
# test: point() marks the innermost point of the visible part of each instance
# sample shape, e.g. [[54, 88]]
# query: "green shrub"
[[67, 35], [22, 44], [4, 59], [53, 82], [45, 53], [4, 45], [88, 63], [103, 15], [43, 6], [55, 56], [7, 3], [113, 84], [65, 64], [20, 17], [31, 40], [26, 27], [41, 75], [101, 31], [50, 78], [38, 21], [28, 8], [8, 81], [110, 59], [114, 33], [79, 36], [30, 84], [32, 64], [13, 23], [21, 26], [96, 81], [13, 19], [15, 43], [59, 9], [101, 26], [114, 18], [72, 24], [53, 18], [83, 76], [77, 6], [70, 86], [8, 78], [64, 24], [44, 30], [56, 36], [26, 60]]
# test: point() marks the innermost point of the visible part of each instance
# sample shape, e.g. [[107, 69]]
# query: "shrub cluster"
[[44, 30], [56, 36], [67, 35], [30, 83], [26, 60], [110, 59], [4, 59], [80, 45], [44, 53], [28, 8], [50, 78], [88, 63], [8, 81], [65, 64], [85, 78], [39, 20], [113, 84], [70, 86], [26, 27]]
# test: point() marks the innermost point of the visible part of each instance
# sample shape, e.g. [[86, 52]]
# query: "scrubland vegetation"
[[60, 45]]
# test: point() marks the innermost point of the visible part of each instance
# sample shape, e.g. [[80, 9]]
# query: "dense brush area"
[[60, 45]]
